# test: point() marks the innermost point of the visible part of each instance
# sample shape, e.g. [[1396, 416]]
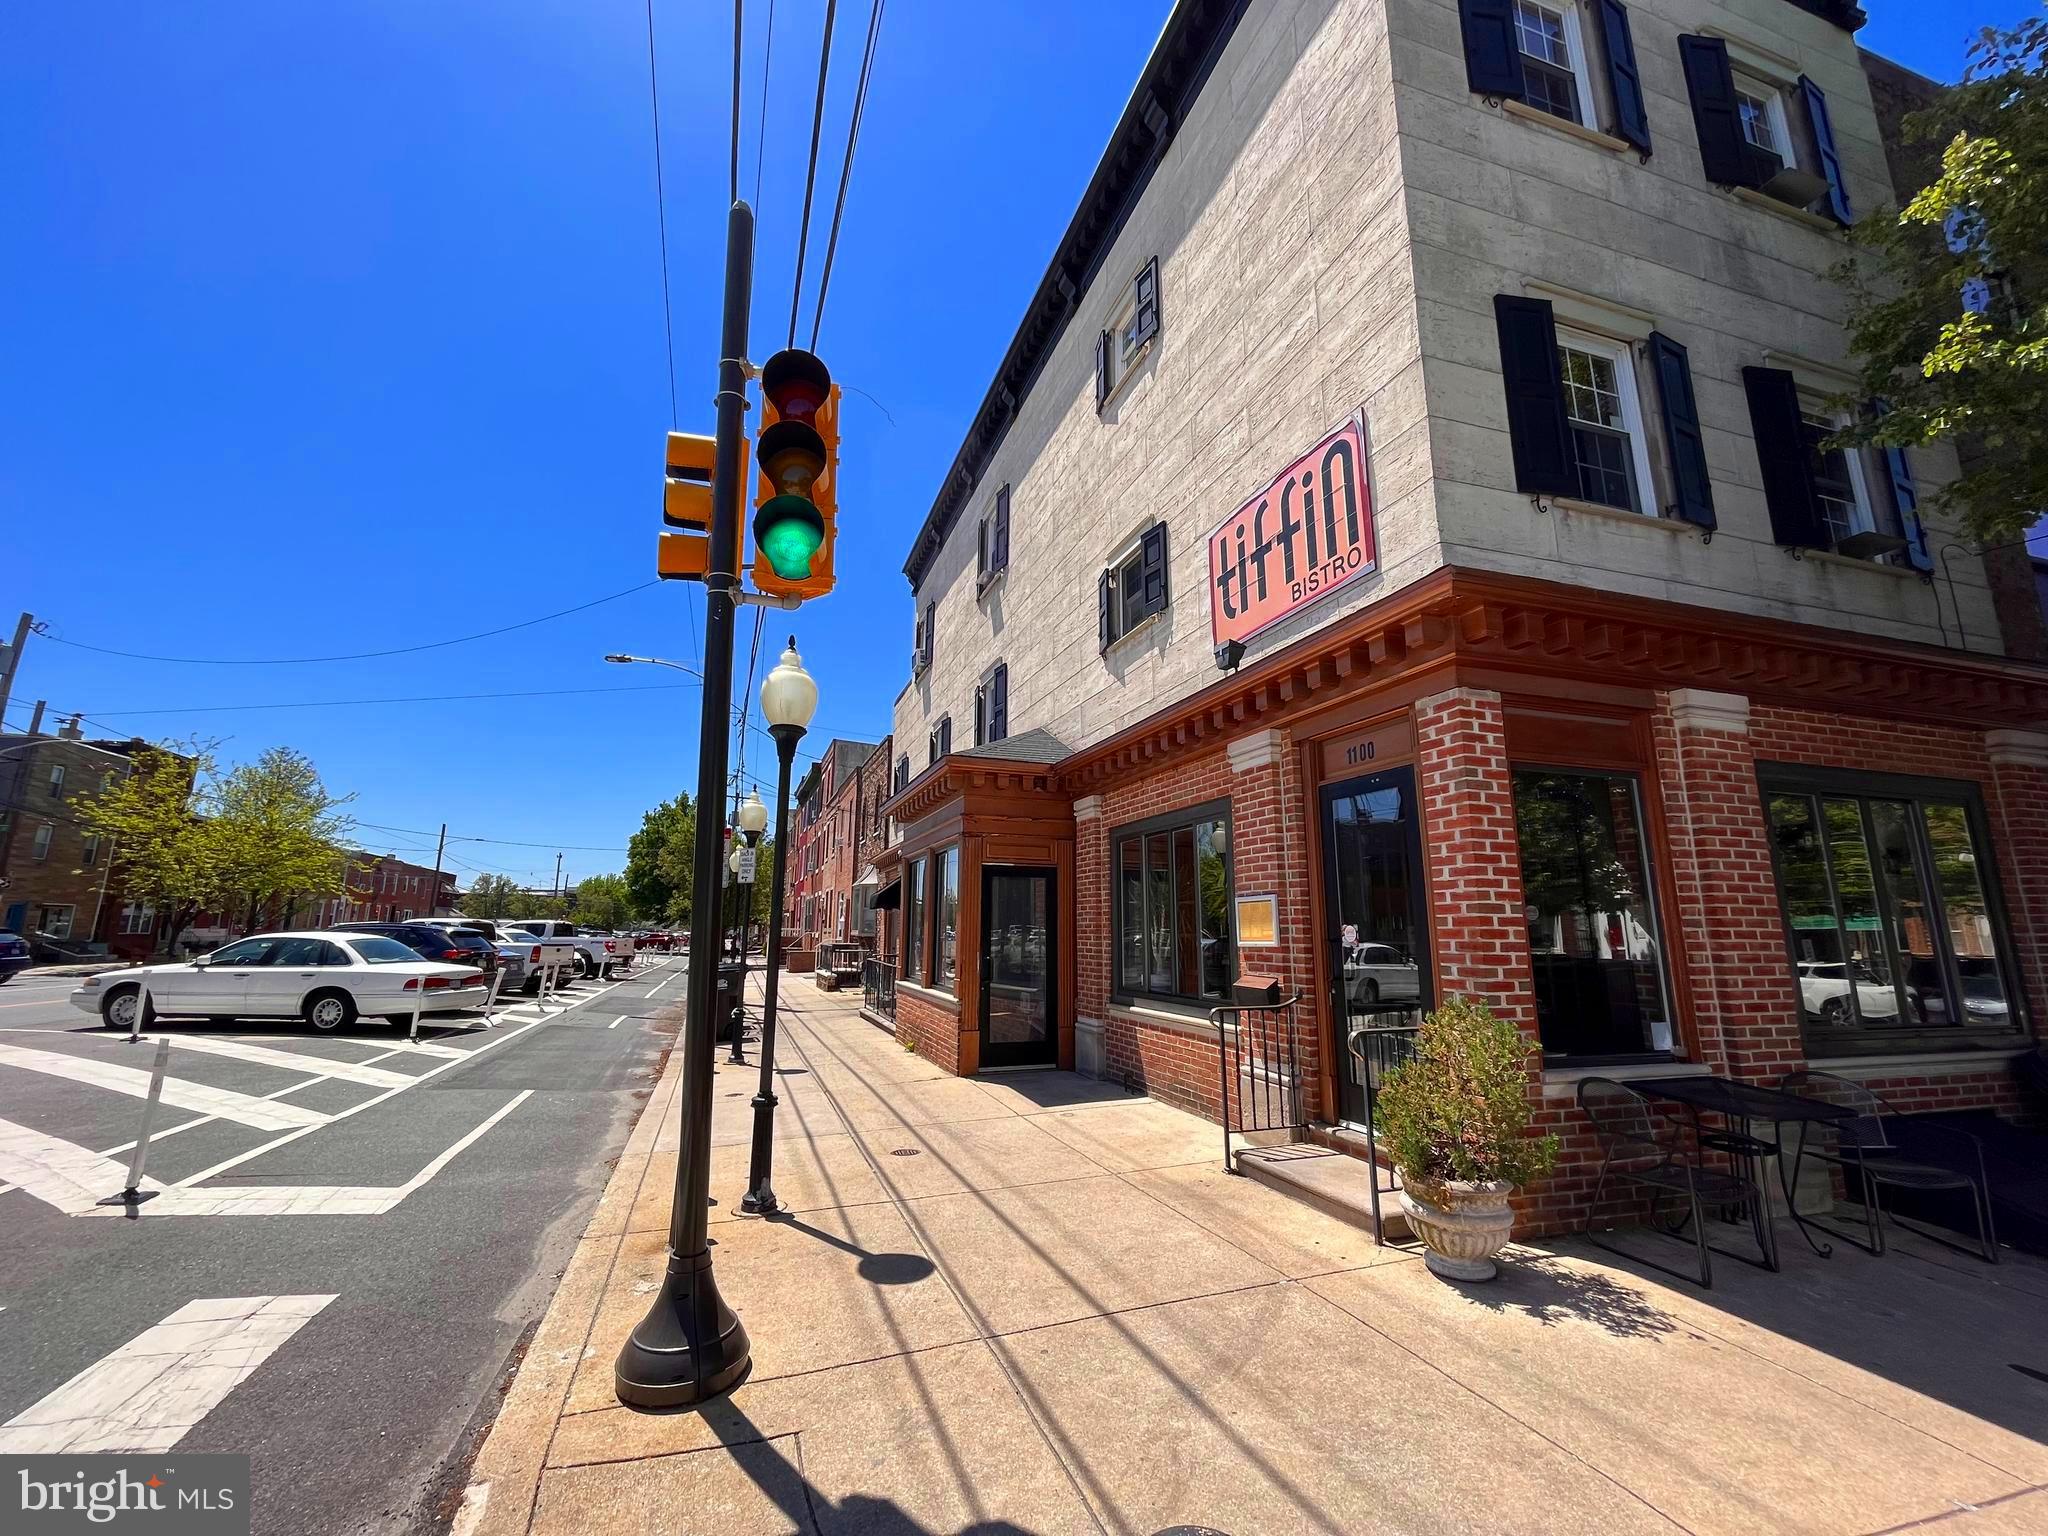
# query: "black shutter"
[[999, 703], [980, 715], [1493, 59], [1824, 141], [1101, 369], [1682, 435], [1535, 390], [930, 624], [981, 549], [1774, 417], [1631, 112], [946, 736], [917, 642], [1145, 301], [1152, 568], [1724, 153], [999, 553], [1103, 633], [932, 747], [1906, 497]]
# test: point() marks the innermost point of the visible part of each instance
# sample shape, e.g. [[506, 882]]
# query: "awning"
[[887, 898], [868, 876]]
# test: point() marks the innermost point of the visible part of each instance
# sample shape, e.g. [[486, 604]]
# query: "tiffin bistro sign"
[[1303, 535]]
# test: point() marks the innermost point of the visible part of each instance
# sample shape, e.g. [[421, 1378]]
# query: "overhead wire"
[[402, 650], [419, 698], [668, 323], [811, 174], [860, 101], [761, 138]]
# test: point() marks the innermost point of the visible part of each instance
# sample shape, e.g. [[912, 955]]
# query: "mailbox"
[[1256, 992]]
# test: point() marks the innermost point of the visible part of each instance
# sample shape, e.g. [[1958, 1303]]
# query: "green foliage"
[[1460, 1109], [492, 896], [660, 861], [603, 901], [1949, 296]]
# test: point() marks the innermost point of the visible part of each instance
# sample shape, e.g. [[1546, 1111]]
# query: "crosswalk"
[[40, 1161]]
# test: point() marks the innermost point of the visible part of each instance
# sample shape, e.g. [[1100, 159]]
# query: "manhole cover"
[[903, 1151], [1192, 1530]]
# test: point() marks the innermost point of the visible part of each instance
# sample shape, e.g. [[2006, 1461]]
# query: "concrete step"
[[1335, 1183]]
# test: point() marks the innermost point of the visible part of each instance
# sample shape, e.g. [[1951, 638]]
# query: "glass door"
[[1376, 916], [1017, 947]]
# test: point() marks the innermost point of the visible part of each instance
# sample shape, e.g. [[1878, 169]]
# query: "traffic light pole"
[[759, 1199], [689, 1346]]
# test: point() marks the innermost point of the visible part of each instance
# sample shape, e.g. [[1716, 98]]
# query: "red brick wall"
[[930, 1028], [2019, 825]]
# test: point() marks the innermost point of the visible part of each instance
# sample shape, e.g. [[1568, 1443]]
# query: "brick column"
[[1269, 853], [1090, 945], [1479, 933], [2019, 823], [1745, 1008]]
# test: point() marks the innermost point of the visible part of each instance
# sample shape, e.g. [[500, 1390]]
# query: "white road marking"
[[242, 1108], [58, 1173], [290, 1061], [146, 1395]]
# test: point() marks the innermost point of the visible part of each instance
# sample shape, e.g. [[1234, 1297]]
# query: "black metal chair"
[[1868, 1145], [1644, 1145]]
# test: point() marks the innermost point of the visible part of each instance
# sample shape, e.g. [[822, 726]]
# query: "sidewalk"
[[1033, 1303]]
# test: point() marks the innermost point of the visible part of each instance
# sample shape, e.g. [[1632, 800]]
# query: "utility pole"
[[434, 894], [12, 661], [690, 1346], [35, 721], [558, 877]]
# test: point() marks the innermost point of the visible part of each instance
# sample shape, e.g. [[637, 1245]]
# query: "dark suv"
[[451, 946]]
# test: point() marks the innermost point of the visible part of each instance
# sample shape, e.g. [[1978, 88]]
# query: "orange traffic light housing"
[[796, 501], [686, 504]]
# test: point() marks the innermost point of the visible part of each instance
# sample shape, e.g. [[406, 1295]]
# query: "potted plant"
[[1456, 1118]]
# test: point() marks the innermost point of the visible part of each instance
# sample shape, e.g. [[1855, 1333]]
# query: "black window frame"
[[1782, 778], [1147, 563], [916, 955], [1170, 821]]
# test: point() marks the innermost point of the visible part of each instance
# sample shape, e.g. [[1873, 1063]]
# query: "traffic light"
[[686, 503], [797, 505]]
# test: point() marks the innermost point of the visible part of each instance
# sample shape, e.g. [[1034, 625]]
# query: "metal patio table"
[[1740, 1106]]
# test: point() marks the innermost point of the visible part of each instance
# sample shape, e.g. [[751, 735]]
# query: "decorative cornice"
[[1261, 749], [2017, 749], [1697, 709]]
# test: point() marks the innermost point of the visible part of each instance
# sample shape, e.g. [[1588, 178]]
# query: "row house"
[[819, 889], [1401, 553], [56, 875]]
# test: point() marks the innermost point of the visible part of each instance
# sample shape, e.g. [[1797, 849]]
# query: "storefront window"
[[1891, 934], [1594, 942], [946, 896], [913, 920], [1172, 907]]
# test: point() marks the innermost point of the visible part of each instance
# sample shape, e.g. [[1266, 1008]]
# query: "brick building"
[[819, 889], [57, 873], [1400, 553]]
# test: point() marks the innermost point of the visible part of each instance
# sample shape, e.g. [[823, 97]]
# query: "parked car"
[[1376, 971], [1824, 992], [430, 941], [596, 952], [328, 979], [14, 956], [531, 953]]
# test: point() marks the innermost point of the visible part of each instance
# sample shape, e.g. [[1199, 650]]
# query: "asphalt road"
[[364, 1419]]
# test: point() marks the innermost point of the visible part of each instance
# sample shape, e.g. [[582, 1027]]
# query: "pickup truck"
[[596, 952], [538, 953]]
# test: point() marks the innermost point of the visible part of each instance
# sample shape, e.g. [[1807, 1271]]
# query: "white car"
[[1376, 971], [535, 953], [1824, 989], [596, 951], [327, 979]]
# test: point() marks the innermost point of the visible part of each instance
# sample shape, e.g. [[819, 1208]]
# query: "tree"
[[1949, 296], [278, 836], [603, 901], [660, 860], [166, 855], [492, 896]]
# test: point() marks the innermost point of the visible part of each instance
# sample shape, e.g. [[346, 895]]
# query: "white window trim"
[[1131, 549], [55, 931], [1772, 93], [1575, 51], [1623, 357], [45, 835], [1859, 481], [1123, 369]]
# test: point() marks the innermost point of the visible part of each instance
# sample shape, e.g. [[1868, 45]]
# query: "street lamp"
[[753, 821], [789, 697]]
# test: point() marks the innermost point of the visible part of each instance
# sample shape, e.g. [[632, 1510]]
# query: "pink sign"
[[1306, 533]]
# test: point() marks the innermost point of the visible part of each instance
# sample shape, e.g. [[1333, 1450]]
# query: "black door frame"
[[1418, 909], [1012, 1055]]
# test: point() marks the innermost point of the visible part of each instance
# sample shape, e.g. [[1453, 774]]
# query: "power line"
[[761, 138], [737, 36], [860, 101], [502, 842], [668, 323], [403, 650], [811, 175], [420, 698]]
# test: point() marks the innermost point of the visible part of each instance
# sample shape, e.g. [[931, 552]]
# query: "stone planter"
[[1461, 1225]]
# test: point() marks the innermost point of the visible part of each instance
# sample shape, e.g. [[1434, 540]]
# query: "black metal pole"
[[759, 1199], [689, 1346], [738, 1058]]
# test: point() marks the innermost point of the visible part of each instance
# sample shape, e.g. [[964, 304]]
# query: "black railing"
[[846, 958], [878, 985], [1259, 1059], [1378, 1042]]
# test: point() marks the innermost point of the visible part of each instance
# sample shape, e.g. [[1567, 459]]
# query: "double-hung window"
[[1134, 323], [1132, 587], [1760, 108], [138, 917], [40, 849], [57, 781], [1841, 494], [1173, 906], [1553, 59], [940, 743], [1889, 898], [1605, 419], [56, 921], [992, 542]]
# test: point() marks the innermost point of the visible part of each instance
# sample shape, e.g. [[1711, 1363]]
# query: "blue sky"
[[341, 331]]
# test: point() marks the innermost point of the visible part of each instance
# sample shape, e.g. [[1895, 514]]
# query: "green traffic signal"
[[788, 530]]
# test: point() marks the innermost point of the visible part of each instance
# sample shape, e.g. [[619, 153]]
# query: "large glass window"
[[913, 920], [946, 901], [1172, 907], [1590, 901], [1893, 938]]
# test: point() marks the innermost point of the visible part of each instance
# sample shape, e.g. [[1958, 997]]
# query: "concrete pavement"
[[1033, 1303]]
